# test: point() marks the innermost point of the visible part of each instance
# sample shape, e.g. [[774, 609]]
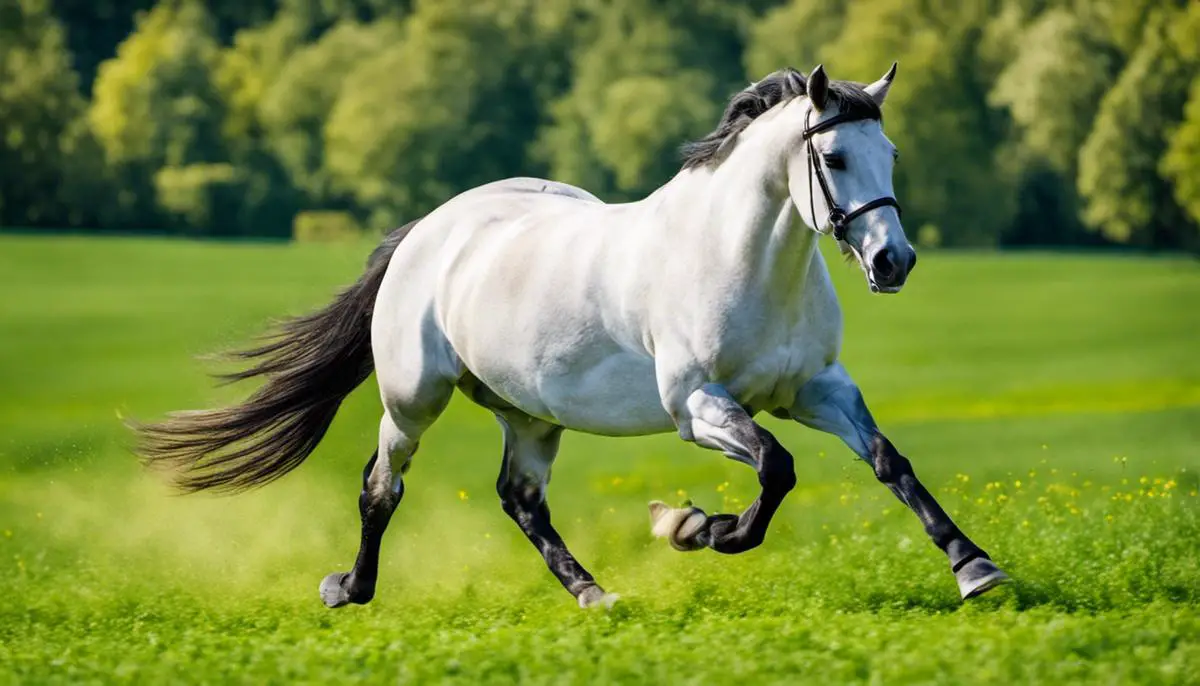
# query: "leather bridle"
[[839, 219]]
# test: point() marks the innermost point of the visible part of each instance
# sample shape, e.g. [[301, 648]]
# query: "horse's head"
[[840, 173]]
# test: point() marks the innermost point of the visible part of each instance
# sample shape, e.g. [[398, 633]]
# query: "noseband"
[[839, 219]]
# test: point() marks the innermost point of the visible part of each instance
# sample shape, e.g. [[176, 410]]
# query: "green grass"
[[1052, 402]]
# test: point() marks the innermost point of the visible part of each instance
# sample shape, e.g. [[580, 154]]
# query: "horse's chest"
[[763, 359], [764, 373]]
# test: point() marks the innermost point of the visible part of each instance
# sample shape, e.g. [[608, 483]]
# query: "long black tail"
[[310, 364]]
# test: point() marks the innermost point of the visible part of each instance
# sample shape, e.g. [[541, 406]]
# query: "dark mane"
[[783, 85]]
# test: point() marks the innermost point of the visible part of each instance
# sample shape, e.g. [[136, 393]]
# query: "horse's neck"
[[738, 224]]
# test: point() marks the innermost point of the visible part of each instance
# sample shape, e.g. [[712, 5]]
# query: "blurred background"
[[1050, 397], [1044, 122]]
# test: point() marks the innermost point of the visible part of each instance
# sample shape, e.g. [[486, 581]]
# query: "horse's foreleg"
[[712, 418], [383, 487], [530, 446], [831, 402]]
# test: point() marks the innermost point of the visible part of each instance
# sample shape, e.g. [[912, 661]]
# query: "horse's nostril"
[[912, 259], [882, 264]]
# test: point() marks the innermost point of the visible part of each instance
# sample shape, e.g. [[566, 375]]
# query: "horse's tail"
[[310, 364]]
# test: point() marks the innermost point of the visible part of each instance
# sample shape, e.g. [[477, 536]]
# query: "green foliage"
[[39, 101], [1126, 198], [405, 114], [249, 67], [1019, 121], [326, 227], [793, 35], [155, 105], [1053, 87], [1032, 425], [1181, 164], [604, 134], [202, 195], [936, 111], [448, 106], [296, 104]]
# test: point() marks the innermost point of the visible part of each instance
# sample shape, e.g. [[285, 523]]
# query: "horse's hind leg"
[[530, 446], [383, 487]]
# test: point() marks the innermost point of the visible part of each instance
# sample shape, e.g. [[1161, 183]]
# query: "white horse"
[[691, 310]]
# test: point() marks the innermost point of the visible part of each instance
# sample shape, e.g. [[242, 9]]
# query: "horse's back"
[[528, 184]]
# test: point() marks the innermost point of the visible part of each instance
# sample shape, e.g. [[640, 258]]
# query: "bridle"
[[838, 219]]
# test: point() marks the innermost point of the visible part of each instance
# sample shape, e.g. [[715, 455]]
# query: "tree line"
[[1047, 122]]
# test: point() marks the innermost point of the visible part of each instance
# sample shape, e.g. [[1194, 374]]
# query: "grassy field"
[[1052, 402]]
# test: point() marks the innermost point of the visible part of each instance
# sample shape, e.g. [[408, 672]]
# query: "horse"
[[691, 310]]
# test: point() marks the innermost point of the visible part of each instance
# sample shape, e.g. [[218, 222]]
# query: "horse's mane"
[[780, 86]]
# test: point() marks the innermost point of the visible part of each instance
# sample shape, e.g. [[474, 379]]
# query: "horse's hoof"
[[684, 528], [978, 577], [594, 596], [335, 594]]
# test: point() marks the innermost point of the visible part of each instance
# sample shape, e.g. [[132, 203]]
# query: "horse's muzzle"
[[888, 268]]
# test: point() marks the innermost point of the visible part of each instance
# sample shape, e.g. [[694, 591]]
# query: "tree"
[[1051, 89], [1181, 164], [1125, 197], [39, 100], [293, 109], [155, 104], [793, 35], [453, 104], [937, 112], [633, 102]]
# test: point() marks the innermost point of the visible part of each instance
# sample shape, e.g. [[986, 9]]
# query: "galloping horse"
[[691, 310]]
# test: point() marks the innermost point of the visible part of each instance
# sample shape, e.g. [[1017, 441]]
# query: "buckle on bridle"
[[837, 220]]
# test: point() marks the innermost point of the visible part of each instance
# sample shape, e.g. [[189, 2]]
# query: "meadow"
[[1051, 402]]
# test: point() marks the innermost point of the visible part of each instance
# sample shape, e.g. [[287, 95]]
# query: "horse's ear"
[[818, 88], [879, 90], [793, 82]]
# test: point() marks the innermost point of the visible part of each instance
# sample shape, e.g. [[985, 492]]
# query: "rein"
[[838, 219]]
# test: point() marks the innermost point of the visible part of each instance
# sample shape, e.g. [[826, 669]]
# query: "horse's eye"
[[835, 162]]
